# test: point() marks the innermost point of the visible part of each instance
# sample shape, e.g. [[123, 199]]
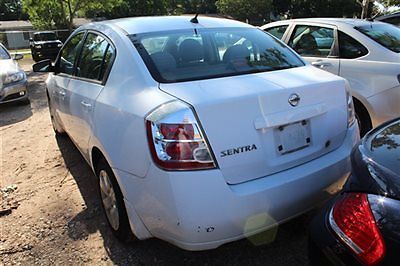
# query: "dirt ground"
[[50, 211]]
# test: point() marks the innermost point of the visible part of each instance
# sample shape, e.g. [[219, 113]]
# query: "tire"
[[34, 57], [363, 119], [112, 202]]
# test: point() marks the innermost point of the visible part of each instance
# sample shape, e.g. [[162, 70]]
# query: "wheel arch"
[[135, 222]]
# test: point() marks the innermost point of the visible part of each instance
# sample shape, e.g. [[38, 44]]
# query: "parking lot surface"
[[50, 210]]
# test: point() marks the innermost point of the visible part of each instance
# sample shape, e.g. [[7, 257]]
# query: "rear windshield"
[[47, 36], [384, 34], [3, 53], [174, 56]]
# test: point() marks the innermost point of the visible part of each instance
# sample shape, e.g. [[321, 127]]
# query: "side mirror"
[[31, 39], [43, 66], [18, 56]]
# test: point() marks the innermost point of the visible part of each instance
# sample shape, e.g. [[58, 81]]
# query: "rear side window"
[[278, 32], [349, 48], [95, 58], [312, 41], [69, 54], [384, 34]]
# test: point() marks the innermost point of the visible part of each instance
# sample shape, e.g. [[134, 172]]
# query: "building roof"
[[27, 25], [15, 25]]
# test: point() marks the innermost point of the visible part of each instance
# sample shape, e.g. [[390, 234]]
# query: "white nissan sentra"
[[200, 132]]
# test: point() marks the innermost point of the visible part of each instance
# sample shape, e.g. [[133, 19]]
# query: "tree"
[[254, 10], [324, 8], [199, 6], [60, 13], [388, 3], [11, 10]]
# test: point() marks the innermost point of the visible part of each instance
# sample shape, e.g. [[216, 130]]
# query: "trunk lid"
[[254, 131]]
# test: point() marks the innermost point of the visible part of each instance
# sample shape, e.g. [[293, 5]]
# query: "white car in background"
[[365, 53], [200, 132], [13, 80]]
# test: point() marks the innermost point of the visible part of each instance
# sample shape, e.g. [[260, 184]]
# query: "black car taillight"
[[352, 220]]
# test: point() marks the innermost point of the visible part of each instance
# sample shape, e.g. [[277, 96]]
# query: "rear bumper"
[[14, 92], [198, 210]]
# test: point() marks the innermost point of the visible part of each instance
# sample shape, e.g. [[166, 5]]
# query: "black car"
[[392, 19], [361, 226], [44, 45]]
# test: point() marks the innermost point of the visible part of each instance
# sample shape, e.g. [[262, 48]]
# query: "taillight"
[[175, 139], [352, 220]]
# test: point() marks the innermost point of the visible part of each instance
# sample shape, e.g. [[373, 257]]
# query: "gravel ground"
[[50, 211]]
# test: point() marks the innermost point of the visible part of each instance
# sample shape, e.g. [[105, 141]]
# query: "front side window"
[[185, 55], [278, 32], [95, 57], [4, 54], [349, 48], [384, 34], [312, 41], [69, 53]]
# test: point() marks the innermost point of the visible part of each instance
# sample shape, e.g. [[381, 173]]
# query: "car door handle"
[[86, 105], [321, 64], [62, 93]]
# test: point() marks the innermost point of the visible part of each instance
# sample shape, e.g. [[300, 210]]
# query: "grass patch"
[[18, 51]]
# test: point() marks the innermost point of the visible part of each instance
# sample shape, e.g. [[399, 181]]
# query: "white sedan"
[[365, 53], [200, 132]]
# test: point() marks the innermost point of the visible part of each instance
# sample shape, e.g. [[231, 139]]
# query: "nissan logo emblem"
[[294, 99]]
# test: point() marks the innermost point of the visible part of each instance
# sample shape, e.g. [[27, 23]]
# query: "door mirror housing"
[[18, 56], [31, 39], [44, 66]]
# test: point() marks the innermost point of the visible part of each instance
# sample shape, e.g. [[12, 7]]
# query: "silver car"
[[13, 81]]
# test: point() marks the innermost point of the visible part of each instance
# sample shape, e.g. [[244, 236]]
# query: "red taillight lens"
[[175, 139], [353, 221]]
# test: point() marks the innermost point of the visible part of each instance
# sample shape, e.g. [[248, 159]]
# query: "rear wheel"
[[113, 202], [363, 119]]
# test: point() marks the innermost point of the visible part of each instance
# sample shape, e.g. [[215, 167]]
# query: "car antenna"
[[195, 20]]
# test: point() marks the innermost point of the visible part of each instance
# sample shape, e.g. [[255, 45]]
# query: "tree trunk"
[[364, 10]]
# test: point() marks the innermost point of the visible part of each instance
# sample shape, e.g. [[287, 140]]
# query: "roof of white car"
[[164, 23], [334, 21]]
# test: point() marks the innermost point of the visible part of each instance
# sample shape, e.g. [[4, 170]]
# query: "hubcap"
[[109, 200]]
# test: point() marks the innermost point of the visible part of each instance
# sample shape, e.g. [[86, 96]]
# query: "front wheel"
[[34, 57], [113, 203]]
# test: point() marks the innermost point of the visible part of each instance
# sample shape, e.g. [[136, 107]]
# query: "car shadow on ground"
[[14, 112], [287, 245]]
